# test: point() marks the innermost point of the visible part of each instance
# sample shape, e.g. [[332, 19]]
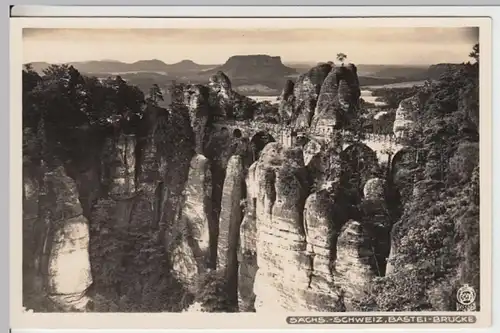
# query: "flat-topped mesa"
[[405, 117], [338, 98], [255, 65]]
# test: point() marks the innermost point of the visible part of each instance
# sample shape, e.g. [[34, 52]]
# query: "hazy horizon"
[[368, 46]]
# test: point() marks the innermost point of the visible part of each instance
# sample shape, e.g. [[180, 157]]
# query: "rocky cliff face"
[[67, 252], [405, 116], [325, 96], [307, 255], [119, 160], [226, 103], [338, 98], [287, 102], [189, 245], [196, 99], [306, 91]]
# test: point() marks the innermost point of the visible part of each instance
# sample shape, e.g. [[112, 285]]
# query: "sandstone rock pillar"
[[230, 221], [68, 273], [354, 266], [190, 242]]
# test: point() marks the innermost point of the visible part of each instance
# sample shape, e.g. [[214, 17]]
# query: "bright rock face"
[[190, 255], [281, 244], [375, 189], [68, 274], [248, 243], [231, 214], [229, 224], [322, 232], [354, 266], [309, 256], [403, 124]]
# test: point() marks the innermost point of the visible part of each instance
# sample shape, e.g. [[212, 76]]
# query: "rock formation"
[[67, 255], [377, 220], [338, 98], [196, 99], [190, 241], [322, 228], [119, 160], [354, 266], [281, 243], [229, 224], [226, 103], [308, 258], [221, 94], [306, 91], [231, 213], [248, 242], [287, 102], [405, 115]]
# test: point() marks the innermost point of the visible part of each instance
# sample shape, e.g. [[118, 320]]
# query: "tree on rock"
[[341, 57]]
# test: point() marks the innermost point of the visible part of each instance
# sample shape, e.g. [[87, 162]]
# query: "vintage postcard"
[[251, 172]]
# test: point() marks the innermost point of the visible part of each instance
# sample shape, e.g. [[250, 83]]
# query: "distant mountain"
[[254, 66], [113, 66], [435, 71], [188, 66], [392, 71]]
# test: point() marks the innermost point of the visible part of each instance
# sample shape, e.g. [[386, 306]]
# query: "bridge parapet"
[[382, 144], [249, 128]]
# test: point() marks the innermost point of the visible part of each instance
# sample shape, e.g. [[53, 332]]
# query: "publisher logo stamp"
[[466, 297]]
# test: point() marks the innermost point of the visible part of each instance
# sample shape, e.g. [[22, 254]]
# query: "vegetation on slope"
[[436, 240]]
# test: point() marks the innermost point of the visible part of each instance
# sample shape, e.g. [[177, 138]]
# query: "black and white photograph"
[[267, 170]]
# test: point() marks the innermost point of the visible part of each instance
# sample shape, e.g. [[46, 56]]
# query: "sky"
[[380, 45]]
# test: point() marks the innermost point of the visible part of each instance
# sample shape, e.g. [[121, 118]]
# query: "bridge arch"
[[258, 141], [401, 175], [359, 163], [404, 157], [237, 133]]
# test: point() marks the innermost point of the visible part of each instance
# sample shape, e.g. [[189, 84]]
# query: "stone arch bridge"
[[384, 146]]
